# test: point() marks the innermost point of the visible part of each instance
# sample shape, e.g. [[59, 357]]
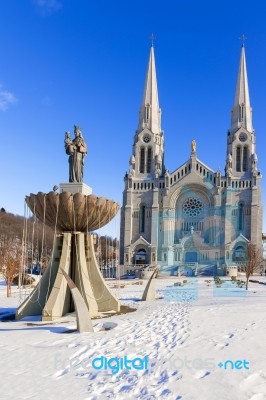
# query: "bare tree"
[[17, 233], [10, 260], [254, 261], [107, 249]]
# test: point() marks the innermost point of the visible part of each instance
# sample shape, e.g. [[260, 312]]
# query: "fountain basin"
[[72, 212]]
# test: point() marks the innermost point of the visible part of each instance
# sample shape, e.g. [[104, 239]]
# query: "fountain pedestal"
[[75, 187]]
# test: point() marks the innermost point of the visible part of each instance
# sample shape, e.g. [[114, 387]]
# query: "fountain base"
[[74, 253]]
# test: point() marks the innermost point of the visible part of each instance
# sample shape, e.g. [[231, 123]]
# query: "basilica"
[[193, 218]]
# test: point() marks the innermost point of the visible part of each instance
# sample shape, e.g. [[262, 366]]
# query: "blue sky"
[[66, 62]]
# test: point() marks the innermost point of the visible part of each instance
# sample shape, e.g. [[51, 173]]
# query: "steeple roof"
[[242, 112], [150, 112]]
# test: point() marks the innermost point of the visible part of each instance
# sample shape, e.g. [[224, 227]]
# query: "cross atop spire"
[[242, 111], [150, 112], [152, 37], [243, 38]]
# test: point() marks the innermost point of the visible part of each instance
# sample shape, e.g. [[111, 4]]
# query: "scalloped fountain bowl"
[[72, 212]]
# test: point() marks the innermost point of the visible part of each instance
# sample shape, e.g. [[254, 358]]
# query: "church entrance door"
[[141, 257], [191, 256]]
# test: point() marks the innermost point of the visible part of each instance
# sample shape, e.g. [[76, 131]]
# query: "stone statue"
[[132, 162], [229, 165], [157, 173], [193, 146], [77, 150], [254, 159], [167, 180], [131, 172]]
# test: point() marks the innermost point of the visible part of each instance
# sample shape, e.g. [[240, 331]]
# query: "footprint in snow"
[[78, 353], [147, 397], [201, 374], [71, 345], [82, 375], [163, 378], [165, 392], [107, 394], [61, 373], [229, 336], [132, 379], [91, 376], [126, 388], [221, 346]]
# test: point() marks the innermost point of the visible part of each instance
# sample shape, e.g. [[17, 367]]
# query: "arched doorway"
[[239, 253], [141, 257], [191, 256]]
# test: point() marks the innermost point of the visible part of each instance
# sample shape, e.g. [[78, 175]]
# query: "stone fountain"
[[73, 212]]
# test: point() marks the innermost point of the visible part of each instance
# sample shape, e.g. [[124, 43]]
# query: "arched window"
[[142, 218], [241, 216], [238, 159], [245, 158], [142, 160], [149, 160]]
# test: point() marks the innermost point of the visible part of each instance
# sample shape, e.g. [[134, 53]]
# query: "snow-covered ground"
[[185, 339]]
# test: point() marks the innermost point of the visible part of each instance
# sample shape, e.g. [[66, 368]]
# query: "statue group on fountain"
[[77, 150]]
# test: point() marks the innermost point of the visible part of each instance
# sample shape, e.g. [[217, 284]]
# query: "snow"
[[185, 339]]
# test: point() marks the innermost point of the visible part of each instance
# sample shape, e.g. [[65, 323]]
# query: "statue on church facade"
[[132, 163], [229, 165], [77, 150], [193, 146], [254, 162], [158, 166]]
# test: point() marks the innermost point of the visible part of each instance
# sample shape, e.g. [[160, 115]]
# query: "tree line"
[[26, 243]]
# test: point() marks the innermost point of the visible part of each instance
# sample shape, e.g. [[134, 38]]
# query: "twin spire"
[[242, 112], [150, 112]]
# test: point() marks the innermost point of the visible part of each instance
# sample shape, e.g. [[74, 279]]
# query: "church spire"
[[242, 112], [150, 112]]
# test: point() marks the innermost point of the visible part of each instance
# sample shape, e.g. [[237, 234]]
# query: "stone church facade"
[[193, 218]]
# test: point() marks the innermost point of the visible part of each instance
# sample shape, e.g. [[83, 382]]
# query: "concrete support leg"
[[105, 299], [35, 302], [82, 279], [58, 301], [149, 292], [84, 323]]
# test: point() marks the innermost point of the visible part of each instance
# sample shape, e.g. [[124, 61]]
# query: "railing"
[[180, 173], [132, 268], [142, 185]]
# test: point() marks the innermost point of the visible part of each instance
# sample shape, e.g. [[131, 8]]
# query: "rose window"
[[146, 139], [192, 207]]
